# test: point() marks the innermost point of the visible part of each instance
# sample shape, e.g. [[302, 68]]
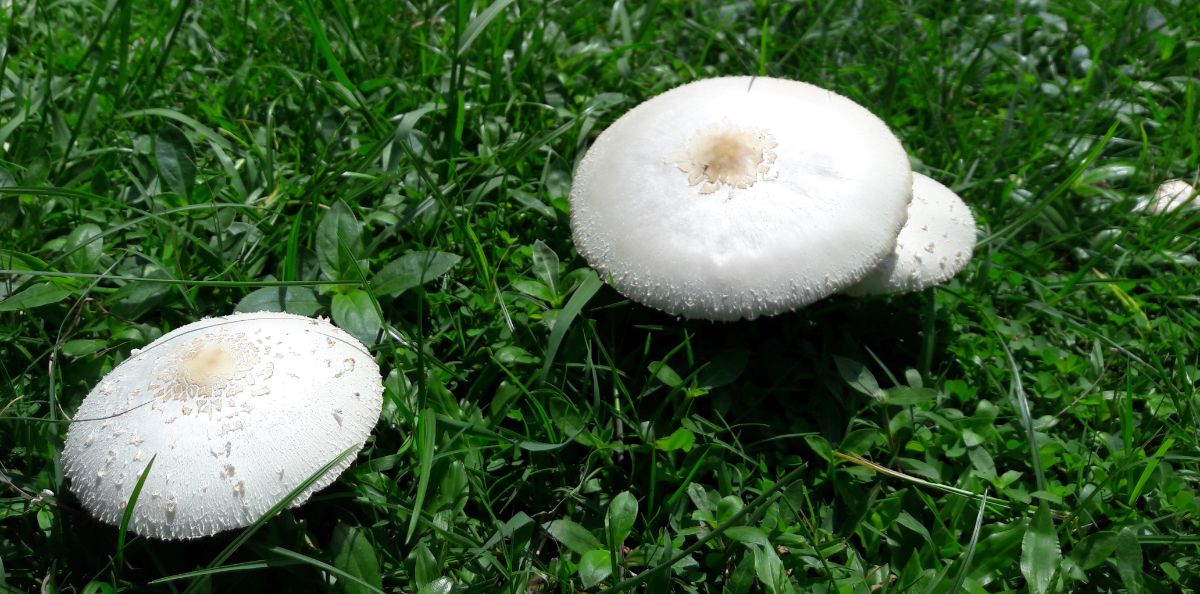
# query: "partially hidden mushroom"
[[934, 245], [740, 197], [236, 411], [1172, 195]]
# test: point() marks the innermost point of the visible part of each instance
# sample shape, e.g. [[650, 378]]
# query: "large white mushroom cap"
[[935, 243], [738, 197], [238, 410]]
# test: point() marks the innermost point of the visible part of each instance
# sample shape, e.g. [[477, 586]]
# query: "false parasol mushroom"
[[1172, 195], [740, 197], [933, 246], [237, 412]]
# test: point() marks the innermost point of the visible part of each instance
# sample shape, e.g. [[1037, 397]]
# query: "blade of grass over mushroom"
[[123, 529], [244, 536]]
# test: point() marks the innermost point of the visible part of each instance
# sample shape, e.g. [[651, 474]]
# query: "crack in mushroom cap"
[[237, 411], [739, 197], [934, 245]]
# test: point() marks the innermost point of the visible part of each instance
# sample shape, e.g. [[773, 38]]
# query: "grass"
[[403, 168]]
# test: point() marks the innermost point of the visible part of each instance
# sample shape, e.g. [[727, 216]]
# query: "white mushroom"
[[739, 197], [237, 412], [1172, 195], [933, 246]]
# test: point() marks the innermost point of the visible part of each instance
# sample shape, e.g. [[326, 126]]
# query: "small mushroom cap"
[[237, 411], [1172, 195], [933, 246], [739, 197]]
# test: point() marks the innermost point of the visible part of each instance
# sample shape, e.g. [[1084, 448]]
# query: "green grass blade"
[[426, 444], [967, 558], [250, 530], [591, 283], [479, 23], [1148, 471], [204, 131], [1017, 392]]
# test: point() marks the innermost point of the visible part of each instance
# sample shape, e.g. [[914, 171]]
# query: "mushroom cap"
[[1172, 195], [737, 197], [933, 246], [237, 411]]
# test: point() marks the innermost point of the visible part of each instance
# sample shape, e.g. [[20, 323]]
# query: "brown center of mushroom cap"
[[210, 364], [723, 153], [206, 372]]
